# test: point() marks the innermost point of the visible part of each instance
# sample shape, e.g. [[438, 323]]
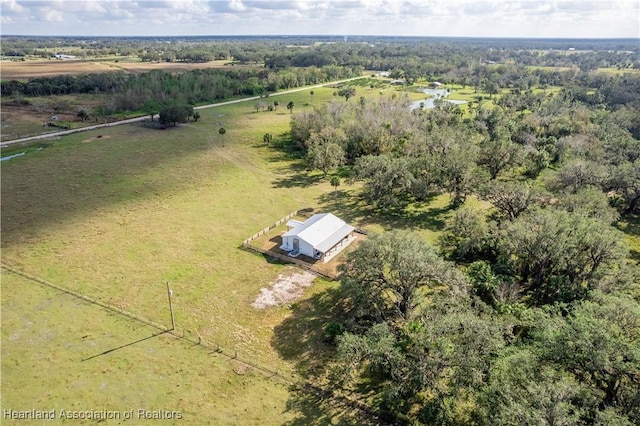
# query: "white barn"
[[317, 236]]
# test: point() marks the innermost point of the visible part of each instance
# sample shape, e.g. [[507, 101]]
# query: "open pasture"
[[63, 354], [116, 213], [23, 70]]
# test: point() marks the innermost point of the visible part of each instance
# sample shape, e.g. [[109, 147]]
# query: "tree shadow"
[[630, 225], [297, 180], [354, 208], [87, 171], [301, 338], [316, 407]]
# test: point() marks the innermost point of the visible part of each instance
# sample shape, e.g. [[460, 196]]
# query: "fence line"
[[288, 259], [177, 332], [269, 228], [86, 298], [181, 333]]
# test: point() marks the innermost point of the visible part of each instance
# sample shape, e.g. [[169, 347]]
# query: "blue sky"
[[476, 18]]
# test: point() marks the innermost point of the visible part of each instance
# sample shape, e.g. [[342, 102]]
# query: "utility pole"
[[169, 294]]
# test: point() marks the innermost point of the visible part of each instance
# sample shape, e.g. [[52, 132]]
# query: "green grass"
[[630, 225], [116, 213], [618, 71], [61, 353]]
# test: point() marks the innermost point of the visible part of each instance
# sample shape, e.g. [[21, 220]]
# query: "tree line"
[[131, 92], [404, 157]]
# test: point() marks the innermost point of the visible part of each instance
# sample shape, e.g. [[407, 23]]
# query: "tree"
[[388, 276], [535, 162], [425, 371], [577, 174], [561, 256], [598, 344], [221, 132], [491, 87], [84, 113], [347, 92], [523, 390], [467, 236], [510, 198], [386, 179], [625, 182], [151, 107], [173, 113], [591, 202], [325, 150], [290, 106], [39, 106], [335, 182], [498, 154]]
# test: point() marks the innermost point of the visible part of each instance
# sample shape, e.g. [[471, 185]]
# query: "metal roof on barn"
[[322, 231]]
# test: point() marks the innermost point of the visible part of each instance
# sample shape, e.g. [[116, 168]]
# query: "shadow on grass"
[[126, 345], [356, 209], [630, 225], [85, 172], [321, 408], [300, 180], [301, 338]]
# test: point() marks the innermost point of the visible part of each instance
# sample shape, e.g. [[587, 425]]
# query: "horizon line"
[[328, 35]]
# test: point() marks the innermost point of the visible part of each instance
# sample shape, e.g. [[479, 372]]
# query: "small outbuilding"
[[318, 237]]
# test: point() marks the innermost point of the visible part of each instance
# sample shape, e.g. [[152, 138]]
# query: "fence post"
[[169, 294]]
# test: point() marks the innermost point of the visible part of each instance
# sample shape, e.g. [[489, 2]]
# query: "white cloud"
[[11, 7], [504, 18], [53, 16]]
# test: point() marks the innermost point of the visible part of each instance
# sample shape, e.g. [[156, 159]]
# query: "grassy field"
[[116, 213], [61, 353], [25, 120]]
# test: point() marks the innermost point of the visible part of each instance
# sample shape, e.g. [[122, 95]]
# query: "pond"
[[435, 94]]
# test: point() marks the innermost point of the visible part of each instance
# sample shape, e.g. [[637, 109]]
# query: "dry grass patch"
[[13, 70]]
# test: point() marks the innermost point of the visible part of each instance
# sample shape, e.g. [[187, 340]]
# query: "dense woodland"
[[527, 310]]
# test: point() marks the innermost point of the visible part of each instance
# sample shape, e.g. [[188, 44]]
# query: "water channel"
[[435, 94]]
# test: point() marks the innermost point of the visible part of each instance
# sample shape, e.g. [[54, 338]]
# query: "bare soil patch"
[[285, 289]]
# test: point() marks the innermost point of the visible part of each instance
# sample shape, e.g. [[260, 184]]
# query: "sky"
[[454, 18]]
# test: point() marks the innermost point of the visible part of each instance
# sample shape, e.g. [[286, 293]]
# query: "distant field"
[[15, 70]]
